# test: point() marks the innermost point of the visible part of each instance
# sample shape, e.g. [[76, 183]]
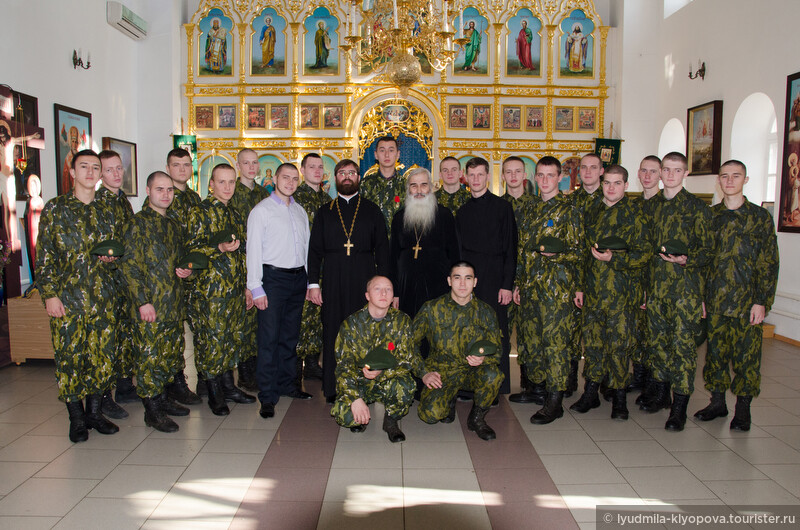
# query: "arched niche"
[[754, 142], [673, 138]]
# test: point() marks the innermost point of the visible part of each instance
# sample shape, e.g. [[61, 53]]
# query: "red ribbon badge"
[[390, 346]]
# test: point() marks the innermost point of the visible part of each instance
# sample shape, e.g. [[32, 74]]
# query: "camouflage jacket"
[[560, 275], [359, 334], [119, 206], [451, 328], [521, 208], [244, 200], [646, 207], [153, 247], [744, 269], [68, 229], [311, 200], [388, 194], [452, 201], [182, 204], [687, 219], [581, 199], [616, 284]]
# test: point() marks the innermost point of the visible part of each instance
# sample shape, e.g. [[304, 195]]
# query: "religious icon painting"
[[704, 138], [530, 173], [472, 58], [267, 166], [569, 180], [204, 117], [328, 182], [457, 116], [215, 44], [268, 45], [587, 119], [576, 48], [481, 116], [565, 119], [395, 113], [332, 116], [226, 116], [320, 56], [257, 116], [512, 118], [279, 116], [789, 205], [309, 116], [534, 119], [207, 164], [524, 44], [73, 130]]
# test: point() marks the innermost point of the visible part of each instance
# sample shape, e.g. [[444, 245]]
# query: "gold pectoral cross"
[[416, 248], [348, 246]]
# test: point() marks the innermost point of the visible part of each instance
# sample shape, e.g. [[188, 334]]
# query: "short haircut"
[[154, 175], [85, 152], [418, 171], [245, 150], [220, 167], [652, 158], [285, 165], [733, 162], [593, 155], [346, 162], [617, 169], [512, 158], [462, 263], [376, 278], [107, 154], [309, 155], [178, 152], [477, 162], [454, 159], [387, 138], [675, 156], [549, 161]]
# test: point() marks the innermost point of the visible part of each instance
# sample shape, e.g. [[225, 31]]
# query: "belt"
[[296, 270]]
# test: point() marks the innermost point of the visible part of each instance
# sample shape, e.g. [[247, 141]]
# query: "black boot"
[[201, 388], [95, 419], [715, 409], [606, 391], [589, 400], [232, 392], [524, 383], [677, 414], [126, 391], [648, 392], [110, 408], [312, 368], [170, 407], [247, 374], [639, 378], [572, 379], [535, 393], [741, 418], [660, 399], [551, 411], [476, 422], [77, 422], [216, 398], [155, 417], [393, 429], [619, 405], [451, 416], [179, 390]]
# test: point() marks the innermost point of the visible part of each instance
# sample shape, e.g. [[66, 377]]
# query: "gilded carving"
[[575, 92], [471, 145], [523, 146], [576, 146], [468, 91], [264, 90], [415, 125], [216, 91], [524, 92]]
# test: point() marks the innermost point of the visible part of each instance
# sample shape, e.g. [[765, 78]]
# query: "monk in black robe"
[[424, 245], [487, 233], [348, 238]]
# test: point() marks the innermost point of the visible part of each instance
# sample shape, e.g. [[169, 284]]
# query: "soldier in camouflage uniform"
[[111, 195], [675, 293], [246, 195], [611, 294], [741, 288], [385, 187], [377, 325], [311, 197], [153, 246], [78, 293], [547, 288], [451, 323], [219, 291], [451, 195]]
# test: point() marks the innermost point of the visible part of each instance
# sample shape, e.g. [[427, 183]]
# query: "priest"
[[348, 239]]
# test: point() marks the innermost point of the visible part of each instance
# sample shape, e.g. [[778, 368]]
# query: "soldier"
[[377, 325], [311, 197], [451, 323], [246, 195], [547, 287], [219, 291], [675, 290], [153, 246], [385, 187], [111, 195], [77, 288], [742, 277], [611, 295], [451, 194]]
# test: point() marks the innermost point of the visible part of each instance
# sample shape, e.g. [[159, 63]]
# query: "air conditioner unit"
[[126, 20]]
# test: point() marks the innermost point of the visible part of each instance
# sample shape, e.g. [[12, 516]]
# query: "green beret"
[[380, 358], [223, 236], [481, 348], [674, 248], [550, 244], [109, 247], [193, 260], [611, 243]]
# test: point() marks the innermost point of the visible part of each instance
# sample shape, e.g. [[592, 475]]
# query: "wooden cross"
[[416, 248], [348, 246]]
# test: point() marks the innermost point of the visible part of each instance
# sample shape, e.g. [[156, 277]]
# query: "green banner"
[[189, 143], [608, 150]]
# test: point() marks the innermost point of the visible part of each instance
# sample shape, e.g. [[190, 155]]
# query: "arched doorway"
[[673, 138], [754, 141]]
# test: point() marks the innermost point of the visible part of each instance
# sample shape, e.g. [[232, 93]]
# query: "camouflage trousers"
[[250, 346], [609, 341], [483, 380], [575, 341], [158, 345], [219, 336], [672, 328], [640, 337], [84, 355], [396, 394], [310, 343], [548, 330], [125, 356], [733, 341], [515, 320]]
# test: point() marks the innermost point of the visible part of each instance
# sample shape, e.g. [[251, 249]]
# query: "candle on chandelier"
[[461, 24], [444, 15], [394, 8], [352, 17]]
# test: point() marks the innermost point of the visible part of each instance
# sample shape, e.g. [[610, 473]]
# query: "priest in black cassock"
[[487, 233], [348, 239], [424, 245]]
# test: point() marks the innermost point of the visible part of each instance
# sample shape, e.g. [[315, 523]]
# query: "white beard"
[[420, 214]]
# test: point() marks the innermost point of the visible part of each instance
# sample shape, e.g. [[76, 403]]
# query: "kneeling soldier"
[[375, 327], [452, 323]]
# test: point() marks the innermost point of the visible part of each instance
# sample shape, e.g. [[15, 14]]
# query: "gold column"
[[189, 87], [601, 111], [242, 27], [295, 52]]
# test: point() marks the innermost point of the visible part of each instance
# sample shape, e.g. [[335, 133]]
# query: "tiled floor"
[[298, 470]]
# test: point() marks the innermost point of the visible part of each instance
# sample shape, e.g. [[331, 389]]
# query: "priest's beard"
[[420, 213], [347, 187]]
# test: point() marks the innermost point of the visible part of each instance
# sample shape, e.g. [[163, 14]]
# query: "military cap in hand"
[[380, 358], [674, 247], [223, 236], [109, 247], [481, 348], [611, 243], [550, 244], [194, 261]]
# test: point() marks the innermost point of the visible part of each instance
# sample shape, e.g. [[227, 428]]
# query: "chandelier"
[[394, 34]]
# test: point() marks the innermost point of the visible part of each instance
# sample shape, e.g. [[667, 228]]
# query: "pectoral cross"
[[348, 246], [416, 248]]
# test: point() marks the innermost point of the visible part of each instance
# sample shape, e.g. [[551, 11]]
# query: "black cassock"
[[487, 233], [418, 280], [345, 276]]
